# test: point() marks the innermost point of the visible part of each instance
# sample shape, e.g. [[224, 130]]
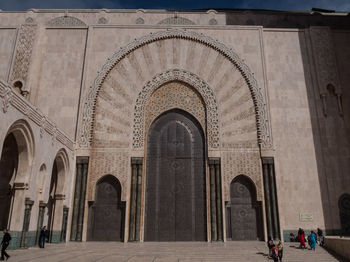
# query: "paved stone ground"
[[165, 252]]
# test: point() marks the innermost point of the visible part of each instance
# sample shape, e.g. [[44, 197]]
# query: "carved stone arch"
[[62, 165], [194, 81], [26, 148], [262, 117], [176, 21], [66, 21]]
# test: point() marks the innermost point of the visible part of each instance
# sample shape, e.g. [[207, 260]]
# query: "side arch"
[[107, 212], [259, 100], [243, 211], [24, 137]]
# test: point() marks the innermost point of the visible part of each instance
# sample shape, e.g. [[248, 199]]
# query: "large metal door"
[[175, 184], [107, 213], [244, 212]]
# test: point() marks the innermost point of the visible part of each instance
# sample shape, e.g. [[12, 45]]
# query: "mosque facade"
[[155, 125]]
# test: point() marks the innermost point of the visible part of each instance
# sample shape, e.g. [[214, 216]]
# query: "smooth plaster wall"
[[7, 43], [295, 160]]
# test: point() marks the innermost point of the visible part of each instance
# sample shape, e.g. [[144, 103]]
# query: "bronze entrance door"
[[175, 180], [106, 216], [244, 221]]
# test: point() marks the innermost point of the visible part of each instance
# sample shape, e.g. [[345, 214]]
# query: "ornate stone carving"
[[29, 20], [23, 54], [213, 21], [66, 21], [242, 163], [263, 123], [140, 21], [324, 57], [180, 75], [174, 95], [107, 162], [11, 98], [102, 21], [176, 21]]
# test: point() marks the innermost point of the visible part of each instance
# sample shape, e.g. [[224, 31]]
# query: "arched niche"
[[244, 219], [109, 92], [106, 217]]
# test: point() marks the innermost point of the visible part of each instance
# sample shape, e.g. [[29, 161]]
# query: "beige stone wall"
[[62, 64]]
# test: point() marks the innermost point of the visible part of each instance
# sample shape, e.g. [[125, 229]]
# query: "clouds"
[[338, 5]]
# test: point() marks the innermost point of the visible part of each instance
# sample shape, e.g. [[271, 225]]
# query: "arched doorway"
[[8, 171], [175, 179], [106, 216], [244, 216]]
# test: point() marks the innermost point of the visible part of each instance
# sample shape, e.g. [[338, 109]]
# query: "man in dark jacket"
[[5, 242], [42, 238]]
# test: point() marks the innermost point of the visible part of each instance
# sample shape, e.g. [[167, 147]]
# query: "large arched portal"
[[8, 170], [244, 216], [175, 174], [106, 216]]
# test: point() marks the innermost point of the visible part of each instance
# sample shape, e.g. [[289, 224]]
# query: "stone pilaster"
[[27, 212]]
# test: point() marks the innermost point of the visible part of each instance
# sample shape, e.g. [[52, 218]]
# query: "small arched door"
[[175, 180], [106, 216], [244, 220]]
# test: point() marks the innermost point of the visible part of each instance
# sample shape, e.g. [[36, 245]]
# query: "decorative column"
[[57, 219], [27, 211], [79, 198], [215, 200], [271, 198], [42, 207], [64, 224], [135, 199]]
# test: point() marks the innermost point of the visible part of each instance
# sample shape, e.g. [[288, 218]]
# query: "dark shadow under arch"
[[107, 212], [243, 211], [344, 213]]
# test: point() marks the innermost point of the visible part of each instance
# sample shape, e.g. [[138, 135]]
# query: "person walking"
[[5, 243], [280, 250], [301, 238], [274, 251], [270, 244], [320, 236], [42, 238], [313, 240]]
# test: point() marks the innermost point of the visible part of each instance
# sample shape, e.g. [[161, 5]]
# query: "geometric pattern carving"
[[174, 95], [242, 163], [176, 21], [262, 117], [191, 79], [102, 21], [23, 54], [11, 97], [139, 21], [108, 163], [213, 21], [326, 68], [66, 21]]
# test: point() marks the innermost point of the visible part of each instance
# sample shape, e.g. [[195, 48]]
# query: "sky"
[[17, 5]]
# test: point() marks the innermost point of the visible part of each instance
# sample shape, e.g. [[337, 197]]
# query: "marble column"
[[27, 212], [42, 207], [213, 202], [79, 169], [132, 223], [267, 199], [218, 201], [138, 201], [64, 224], [273, 202], [82, 201]]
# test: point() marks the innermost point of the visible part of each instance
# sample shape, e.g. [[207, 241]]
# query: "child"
[[275, 253]]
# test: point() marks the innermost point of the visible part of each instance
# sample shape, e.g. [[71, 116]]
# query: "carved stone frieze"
[[66, 21], [324, 56], [24, 49], [177, 75], [11, 98], [108, 163], [262, 116], [242, 163], [176, 21]]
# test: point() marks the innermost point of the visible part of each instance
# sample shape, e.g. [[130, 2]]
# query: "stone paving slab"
[[165, 252]]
